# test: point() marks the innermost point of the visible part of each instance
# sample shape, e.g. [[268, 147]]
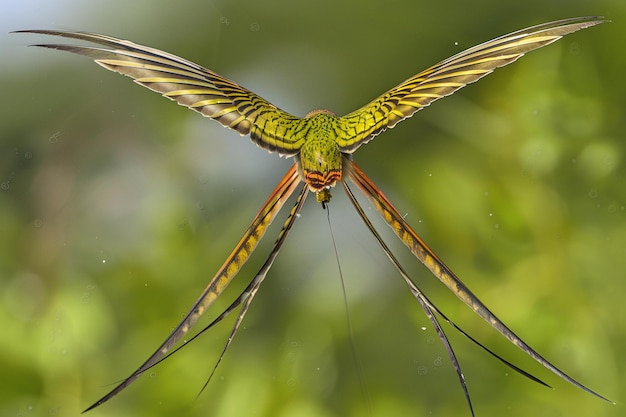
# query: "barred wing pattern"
[[275, 130], [448, 76], [195, 87]]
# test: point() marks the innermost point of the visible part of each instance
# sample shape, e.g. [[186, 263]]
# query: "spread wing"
[[192, 86], [448, 76]]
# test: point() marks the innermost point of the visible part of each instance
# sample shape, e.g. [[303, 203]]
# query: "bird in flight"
[[322, 145]]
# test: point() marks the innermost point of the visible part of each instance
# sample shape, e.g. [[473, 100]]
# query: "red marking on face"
[[319, 180]]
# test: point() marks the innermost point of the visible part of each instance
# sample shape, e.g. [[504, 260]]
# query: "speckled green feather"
[[321, 137]]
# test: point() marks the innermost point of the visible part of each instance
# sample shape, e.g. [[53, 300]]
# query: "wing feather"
[[446, 77], [237, 108], [193, 86]]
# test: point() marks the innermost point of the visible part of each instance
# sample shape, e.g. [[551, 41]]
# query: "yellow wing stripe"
[[195, 87], [237, 108], [446, 77]]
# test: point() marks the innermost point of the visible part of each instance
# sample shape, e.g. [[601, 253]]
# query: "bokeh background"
[[117, 207]]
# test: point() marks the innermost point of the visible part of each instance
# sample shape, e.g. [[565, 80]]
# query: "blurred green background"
[[117, 207]]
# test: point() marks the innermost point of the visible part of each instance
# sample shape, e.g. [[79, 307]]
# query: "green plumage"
[[320, 138]]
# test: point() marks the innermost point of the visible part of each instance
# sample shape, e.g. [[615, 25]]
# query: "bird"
[[322, 144]]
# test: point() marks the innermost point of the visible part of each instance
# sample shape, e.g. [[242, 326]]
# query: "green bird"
[[322, 144]]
